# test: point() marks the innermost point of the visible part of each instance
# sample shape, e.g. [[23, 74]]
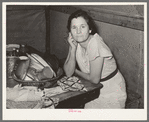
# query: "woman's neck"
[[85, 43]]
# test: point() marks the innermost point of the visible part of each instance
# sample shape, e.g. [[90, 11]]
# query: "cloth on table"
[[29, 97], [43, 104], [71, 84], [49, 92], [10, 104], [19, 93]]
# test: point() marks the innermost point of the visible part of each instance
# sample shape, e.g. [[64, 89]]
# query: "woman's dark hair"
[[81, 13]]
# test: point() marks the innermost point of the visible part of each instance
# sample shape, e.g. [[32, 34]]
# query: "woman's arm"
[[95, 71], [70, 63]]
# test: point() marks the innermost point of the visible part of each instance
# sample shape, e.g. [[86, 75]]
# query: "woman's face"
[[79, 29]]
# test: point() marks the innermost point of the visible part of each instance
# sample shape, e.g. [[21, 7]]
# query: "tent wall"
[[26, 25]]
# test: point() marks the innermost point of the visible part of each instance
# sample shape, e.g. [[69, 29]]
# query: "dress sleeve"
[[97, 48]]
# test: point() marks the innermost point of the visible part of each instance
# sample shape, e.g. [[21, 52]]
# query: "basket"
[[47, 83]]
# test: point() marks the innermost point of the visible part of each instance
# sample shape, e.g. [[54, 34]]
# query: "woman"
[[95, 61]]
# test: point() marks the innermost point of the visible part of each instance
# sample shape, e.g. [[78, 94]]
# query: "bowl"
[[46, 83]]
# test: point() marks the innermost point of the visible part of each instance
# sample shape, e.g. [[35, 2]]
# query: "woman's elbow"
[[95, 80], [67, 72]]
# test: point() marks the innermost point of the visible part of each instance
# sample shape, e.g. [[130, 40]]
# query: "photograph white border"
[[64, 114]]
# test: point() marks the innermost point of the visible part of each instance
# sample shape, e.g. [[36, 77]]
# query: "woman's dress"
[[113, 93]]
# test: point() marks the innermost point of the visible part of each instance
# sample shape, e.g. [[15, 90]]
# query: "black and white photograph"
[[74, 61]]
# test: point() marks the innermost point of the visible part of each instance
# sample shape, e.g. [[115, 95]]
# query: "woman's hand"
[[72, 42]]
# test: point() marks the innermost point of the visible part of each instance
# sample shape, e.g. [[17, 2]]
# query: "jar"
[[23, 50]]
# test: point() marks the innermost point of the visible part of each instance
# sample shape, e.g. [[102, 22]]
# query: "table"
[[72, 99], [79, 98]]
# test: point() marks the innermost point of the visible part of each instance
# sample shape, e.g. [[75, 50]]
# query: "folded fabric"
[[49, 92], [10, 104], [45, 103], [19, 93], [48, 103], [29, 97], [71, 84]]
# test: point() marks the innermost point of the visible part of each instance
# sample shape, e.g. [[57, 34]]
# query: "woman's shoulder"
[[97, 43], [97, 36], [96, 39]]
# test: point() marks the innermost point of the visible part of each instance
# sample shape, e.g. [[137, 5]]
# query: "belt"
[[109, 76]]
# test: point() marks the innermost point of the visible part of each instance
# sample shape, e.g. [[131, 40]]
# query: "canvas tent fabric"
[[26, 27]]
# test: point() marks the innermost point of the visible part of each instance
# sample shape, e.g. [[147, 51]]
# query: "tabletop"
[[77, 99], [73, 99]]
